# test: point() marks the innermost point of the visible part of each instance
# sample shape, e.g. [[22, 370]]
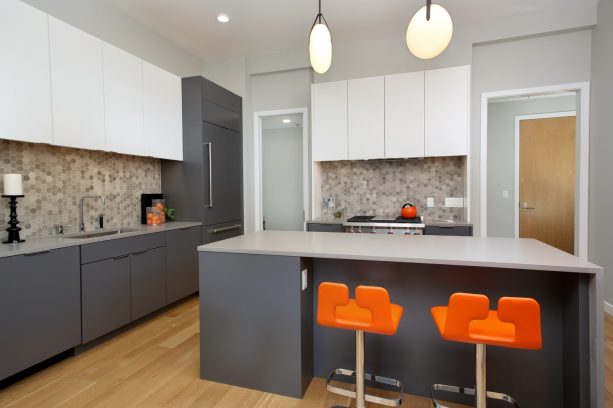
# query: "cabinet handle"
[[218, 230], [121, 257], [140, 252], [210, 146], [37, 253], [185, 229]]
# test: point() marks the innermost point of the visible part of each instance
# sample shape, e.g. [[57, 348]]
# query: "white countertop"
[[509, 253], [54, 242]]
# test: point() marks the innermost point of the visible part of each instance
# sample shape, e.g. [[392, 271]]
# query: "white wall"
[[501, 147], [282, 179], [525, 63], [111, 25], [601, 147]]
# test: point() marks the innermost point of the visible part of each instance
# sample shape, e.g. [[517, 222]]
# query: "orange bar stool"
[[467, 319], [370, 311]]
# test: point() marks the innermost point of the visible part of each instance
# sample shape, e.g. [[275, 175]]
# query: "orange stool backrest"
[[373, 300], [523, 313]]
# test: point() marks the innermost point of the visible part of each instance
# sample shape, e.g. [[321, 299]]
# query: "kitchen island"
[[258, 306]]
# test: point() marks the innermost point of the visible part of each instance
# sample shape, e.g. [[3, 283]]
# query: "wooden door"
[[547, 181]]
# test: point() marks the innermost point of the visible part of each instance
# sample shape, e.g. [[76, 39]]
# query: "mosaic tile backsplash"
[[55, 179], [369, 187]]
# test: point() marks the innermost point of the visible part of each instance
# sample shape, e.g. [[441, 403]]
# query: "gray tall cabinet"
[[207, 185]]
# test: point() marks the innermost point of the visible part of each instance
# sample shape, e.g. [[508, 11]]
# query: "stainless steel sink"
[[103, 233]]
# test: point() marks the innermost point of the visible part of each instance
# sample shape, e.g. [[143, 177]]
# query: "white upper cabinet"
[[163, 124], [447, 108], [123, 101], [366, 118], [25, 89], [76, 87], [404, 115], [329, 111]]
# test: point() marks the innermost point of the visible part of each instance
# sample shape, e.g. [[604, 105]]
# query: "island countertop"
[[511, 253]]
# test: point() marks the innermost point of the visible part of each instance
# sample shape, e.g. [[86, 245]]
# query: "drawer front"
[[315, 227], [218, 232], [122, 246], [463, 231], [40, 307]]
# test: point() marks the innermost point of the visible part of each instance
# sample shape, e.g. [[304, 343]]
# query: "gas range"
[[371, 224]]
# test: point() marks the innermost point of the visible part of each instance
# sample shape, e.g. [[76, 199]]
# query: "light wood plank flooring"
[[156, 365]]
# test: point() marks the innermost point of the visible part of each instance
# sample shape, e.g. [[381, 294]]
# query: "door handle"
[[524, 206], [218, 230], [210, 146]]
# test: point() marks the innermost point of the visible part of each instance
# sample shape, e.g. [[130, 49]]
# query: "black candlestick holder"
[[13, 230]]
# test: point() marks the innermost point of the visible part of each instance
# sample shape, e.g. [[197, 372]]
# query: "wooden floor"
[[156, 365]]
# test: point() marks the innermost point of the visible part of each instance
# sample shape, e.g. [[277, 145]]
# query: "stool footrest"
[[469, 391], [390, 402]]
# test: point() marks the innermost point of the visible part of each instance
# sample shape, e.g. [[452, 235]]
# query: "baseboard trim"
[[608, 308]]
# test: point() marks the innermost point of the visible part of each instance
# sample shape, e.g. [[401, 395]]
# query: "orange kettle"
[[408, 211]]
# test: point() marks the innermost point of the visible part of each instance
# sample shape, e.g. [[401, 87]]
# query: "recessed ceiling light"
[[223, 18], [287, 121]]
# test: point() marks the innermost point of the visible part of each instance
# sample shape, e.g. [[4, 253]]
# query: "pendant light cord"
[[319, 18], [428, 5]]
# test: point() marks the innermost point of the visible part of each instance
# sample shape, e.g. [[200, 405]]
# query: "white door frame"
[[583, 90], [257, 161], [518, 119]]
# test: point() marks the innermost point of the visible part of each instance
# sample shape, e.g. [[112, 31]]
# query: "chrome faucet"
[[81, 221]]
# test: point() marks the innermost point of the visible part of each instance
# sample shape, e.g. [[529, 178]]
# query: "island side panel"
[[419, 357], [251, 322]]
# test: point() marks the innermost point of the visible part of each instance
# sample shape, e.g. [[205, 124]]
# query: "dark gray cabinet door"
[[219, 232], [454, 230], [148, 282], [105, 296], [223, 172], [322, 227], [182, 262], [40, 311]]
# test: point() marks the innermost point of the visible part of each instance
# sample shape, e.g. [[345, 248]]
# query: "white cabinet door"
[[404, 115], [123, 101], [163, 126], [76, 87], [329, 111], [25, 88], [447, 107], [366, 118]]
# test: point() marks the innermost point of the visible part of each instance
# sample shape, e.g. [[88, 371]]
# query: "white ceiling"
[[261, 27], [276, 122]]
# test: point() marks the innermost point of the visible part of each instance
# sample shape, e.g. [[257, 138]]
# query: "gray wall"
[[280, 90], [525, 63], [111, 25], [282, 194], [601, 146], [501, 150]]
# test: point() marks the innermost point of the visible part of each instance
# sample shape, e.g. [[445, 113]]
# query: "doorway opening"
[[534, 166], [281, 163]]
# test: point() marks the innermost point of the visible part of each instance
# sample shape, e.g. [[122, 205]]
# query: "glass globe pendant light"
[[430, 31], [320, 44]]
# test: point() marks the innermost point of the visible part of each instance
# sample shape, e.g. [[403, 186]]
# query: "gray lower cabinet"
[[182, 262], [218, 232], [105, 296], [148, 281], [453, 230], [323, 227], [40, 310]]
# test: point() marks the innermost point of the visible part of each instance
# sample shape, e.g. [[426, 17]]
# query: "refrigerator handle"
[[210, 205]]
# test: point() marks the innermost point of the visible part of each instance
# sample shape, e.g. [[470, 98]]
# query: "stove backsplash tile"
[[55, 178], [381, 186]]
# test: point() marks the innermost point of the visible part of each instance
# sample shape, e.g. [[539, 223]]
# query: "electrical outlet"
[[430, 202], [505, 194], [304, 279], [454, 202]]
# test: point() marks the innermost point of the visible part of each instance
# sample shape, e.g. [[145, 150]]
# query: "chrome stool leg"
[[480, 391], [359, 377]]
